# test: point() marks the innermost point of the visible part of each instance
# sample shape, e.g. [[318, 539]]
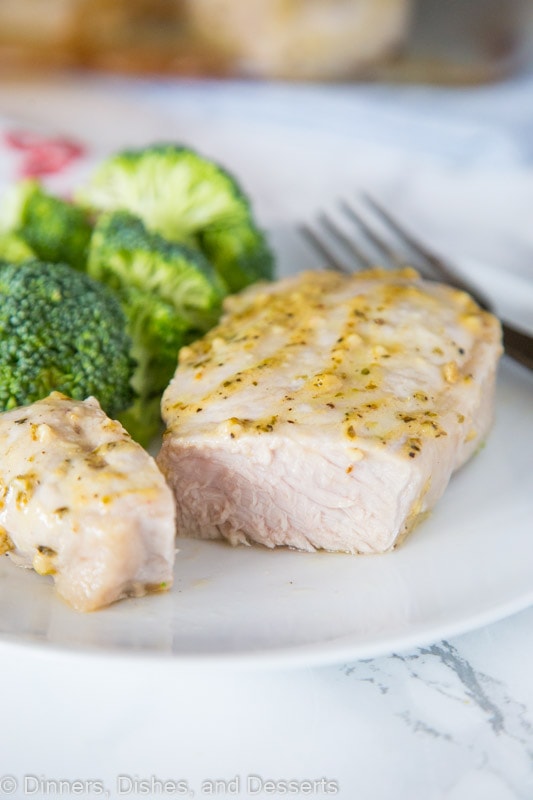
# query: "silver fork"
[[328, 238]]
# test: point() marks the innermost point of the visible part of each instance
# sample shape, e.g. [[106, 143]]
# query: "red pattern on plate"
[[42, 155]]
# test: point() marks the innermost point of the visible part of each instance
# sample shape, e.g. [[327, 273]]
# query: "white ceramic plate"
[[470, 563]]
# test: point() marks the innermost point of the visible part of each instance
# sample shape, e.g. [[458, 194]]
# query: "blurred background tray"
[[451, 42]]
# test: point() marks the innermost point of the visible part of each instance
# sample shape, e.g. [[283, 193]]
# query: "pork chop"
[[81, 501], [328, 411]]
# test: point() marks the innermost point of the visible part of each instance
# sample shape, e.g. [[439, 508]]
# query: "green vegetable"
[[55, 230], [163, 234], [14, 249], [188, 199], [239, 253], [124, 254], [142, 419], [61, 330], [169, 293]]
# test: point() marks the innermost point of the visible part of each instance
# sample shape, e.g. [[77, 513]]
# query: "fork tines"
[[350, 240], [375, 238], [334, 237]]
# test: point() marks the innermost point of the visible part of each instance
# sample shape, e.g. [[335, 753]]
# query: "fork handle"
[[518, 345]]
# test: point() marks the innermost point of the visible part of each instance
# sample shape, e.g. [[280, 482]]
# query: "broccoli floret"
[[14, 249], [169, 293], [157, 335], [56, 231], [182, 196], [142, 419], [239, 254], [61, 330], [125, 255]]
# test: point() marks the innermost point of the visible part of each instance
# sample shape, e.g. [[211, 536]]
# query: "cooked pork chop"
[[81, 501], [328, 411]]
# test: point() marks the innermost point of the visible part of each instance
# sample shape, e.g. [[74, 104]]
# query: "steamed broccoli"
[[165, 234], [142, 419], [169, 293], [157, 334], [61, 330], [239, 253], [55, 230], [187, 199], [124, 254], [14, 249]]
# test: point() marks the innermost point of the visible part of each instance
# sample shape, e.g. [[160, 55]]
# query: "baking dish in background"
[[459, 41]]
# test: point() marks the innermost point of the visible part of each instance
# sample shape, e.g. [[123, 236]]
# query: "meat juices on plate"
[[328, 411]]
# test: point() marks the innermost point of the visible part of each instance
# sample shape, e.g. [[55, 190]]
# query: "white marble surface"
[[449, 720]]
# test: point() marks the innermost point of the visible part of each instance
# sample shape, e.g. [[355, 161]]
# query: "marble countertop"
[[450, 720]]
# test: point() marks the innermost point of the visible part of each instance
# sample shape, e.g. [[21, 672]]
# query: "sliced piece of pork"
[[81, 501], [328, 411]]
